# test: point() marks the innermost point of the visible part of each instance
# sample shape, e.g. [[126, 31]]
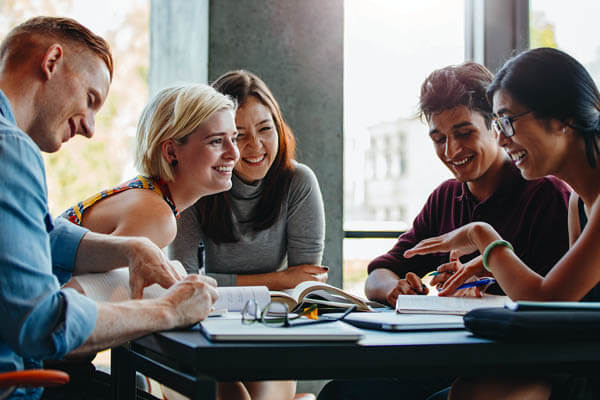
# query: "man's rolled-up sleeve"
[[40, 321], [64, 241]]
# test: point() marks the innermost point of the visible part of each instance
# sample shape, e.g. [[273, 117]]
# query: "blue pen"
[[480, 282]]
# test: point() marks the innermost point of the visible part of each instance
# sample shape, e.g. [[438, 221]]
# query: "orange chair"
[[32, 378]]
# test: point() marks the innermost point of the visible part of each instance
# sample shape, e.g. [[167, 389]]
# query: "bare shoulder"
[[138, 212]]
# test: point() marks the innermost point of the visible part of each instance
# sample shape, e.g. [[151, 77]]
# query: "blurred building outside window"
[[390, 166]]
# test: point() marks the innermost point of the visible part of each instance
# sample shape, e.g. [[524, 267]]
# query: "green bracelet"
[[489, 248]]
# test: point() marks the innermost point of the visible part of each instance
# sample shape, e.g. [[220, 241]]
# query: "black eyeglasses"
[[504, 125], [277, 314]]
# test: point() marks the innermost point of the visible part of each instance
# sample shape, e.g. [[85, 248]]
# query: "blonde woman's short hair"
[[173, 113]]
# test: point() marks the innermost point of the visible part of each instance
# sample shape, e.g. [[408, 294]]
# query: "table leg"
[[204, 389], [122, 374]]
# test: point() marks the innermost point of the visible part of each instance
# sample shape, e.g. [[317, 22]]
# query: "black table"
[[189, 363]]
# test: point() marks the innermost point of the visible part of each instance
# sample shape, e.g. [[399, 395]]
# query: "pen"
[[201, 254], [480, 282]]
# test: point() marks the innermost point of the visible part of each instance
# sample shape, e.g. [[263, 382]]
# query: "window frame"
[[488, 42]]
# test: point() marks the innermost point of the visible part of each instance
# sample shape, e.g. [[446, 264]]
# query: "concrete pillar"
[[178, 42], [296, 47]]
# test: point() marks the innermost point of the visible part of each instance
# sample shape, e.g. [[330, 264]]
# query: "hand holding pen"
[[465, 274], [479, 285], [445, 271], [454, 277]]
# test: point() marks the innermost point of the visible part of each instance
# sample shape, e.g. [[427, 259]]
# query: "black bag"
[[504, 324]]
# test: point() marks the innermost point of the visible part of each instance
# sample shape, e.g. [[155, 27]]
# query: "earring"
[[174, 163], [564, 130]]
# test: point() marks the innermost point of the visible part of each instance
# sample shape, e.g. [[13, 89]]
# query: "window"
[[568, 26], [84, 167], [389, 164]]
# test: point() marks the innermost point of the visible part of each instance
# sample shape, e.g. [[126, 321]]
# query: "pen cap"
[[201, 256]]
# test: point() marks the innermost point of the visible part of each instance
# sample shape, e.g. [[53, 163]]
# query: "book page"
[[446, 305], [233, 298], [282, 296], [113, 286]]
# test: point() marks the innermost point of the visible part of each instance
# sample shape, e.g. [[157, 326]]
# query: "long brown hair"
[[215, 211]]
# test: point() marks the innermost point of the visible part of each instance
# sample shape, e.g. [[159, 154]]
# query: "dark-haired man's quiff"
[[454, 86], [554, 85]]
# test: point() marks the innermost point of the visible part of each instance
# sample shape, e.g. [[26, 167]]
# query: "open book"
[[113, 286], [413, 303], [328, 297]]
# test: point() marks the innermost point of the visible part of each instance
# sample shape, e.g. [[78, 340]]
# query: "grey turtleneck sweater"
[[297, 237]]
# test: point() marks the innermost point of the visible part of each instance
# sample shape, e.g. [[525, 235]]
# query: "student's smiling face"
[[537, 147], [69, 101], [258, 140], [207, 158], [464, 143]]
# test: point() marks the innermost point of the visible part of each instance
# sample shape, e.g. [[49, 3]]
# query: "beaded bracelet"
[[489, 248]]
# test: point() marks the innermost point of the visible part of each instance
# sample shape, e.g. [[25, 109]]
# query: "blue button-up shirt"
[[39, 320]]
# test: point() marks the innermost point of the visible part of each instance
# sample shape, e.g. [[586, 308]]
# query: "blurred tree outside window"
[[83, 167], [568, 26]]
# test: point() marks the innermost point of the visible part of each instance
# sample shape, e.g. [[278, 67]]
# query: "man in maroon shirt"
[[532, 215]]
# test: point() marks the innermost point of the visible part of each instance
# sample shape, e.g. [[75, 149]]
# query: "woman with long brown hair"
[[269, 228]]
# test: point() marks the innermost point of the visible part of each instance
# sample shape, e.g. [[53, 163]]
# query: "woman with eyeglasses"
[[547, 109]]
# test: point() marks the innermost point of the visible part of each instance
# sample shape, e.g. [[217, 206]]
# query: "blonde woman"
[[185, 149]]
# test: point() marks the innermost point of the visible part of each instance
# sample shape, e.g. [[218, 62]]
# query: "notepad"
[[232, 330], [446, 304]]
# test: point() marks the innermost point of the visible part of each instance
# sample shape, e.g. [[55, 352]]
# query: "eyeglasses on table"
[[277, 314]]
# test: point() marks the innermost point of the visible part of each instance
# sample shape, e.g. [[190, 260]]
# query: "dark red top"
[[532, 215]]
